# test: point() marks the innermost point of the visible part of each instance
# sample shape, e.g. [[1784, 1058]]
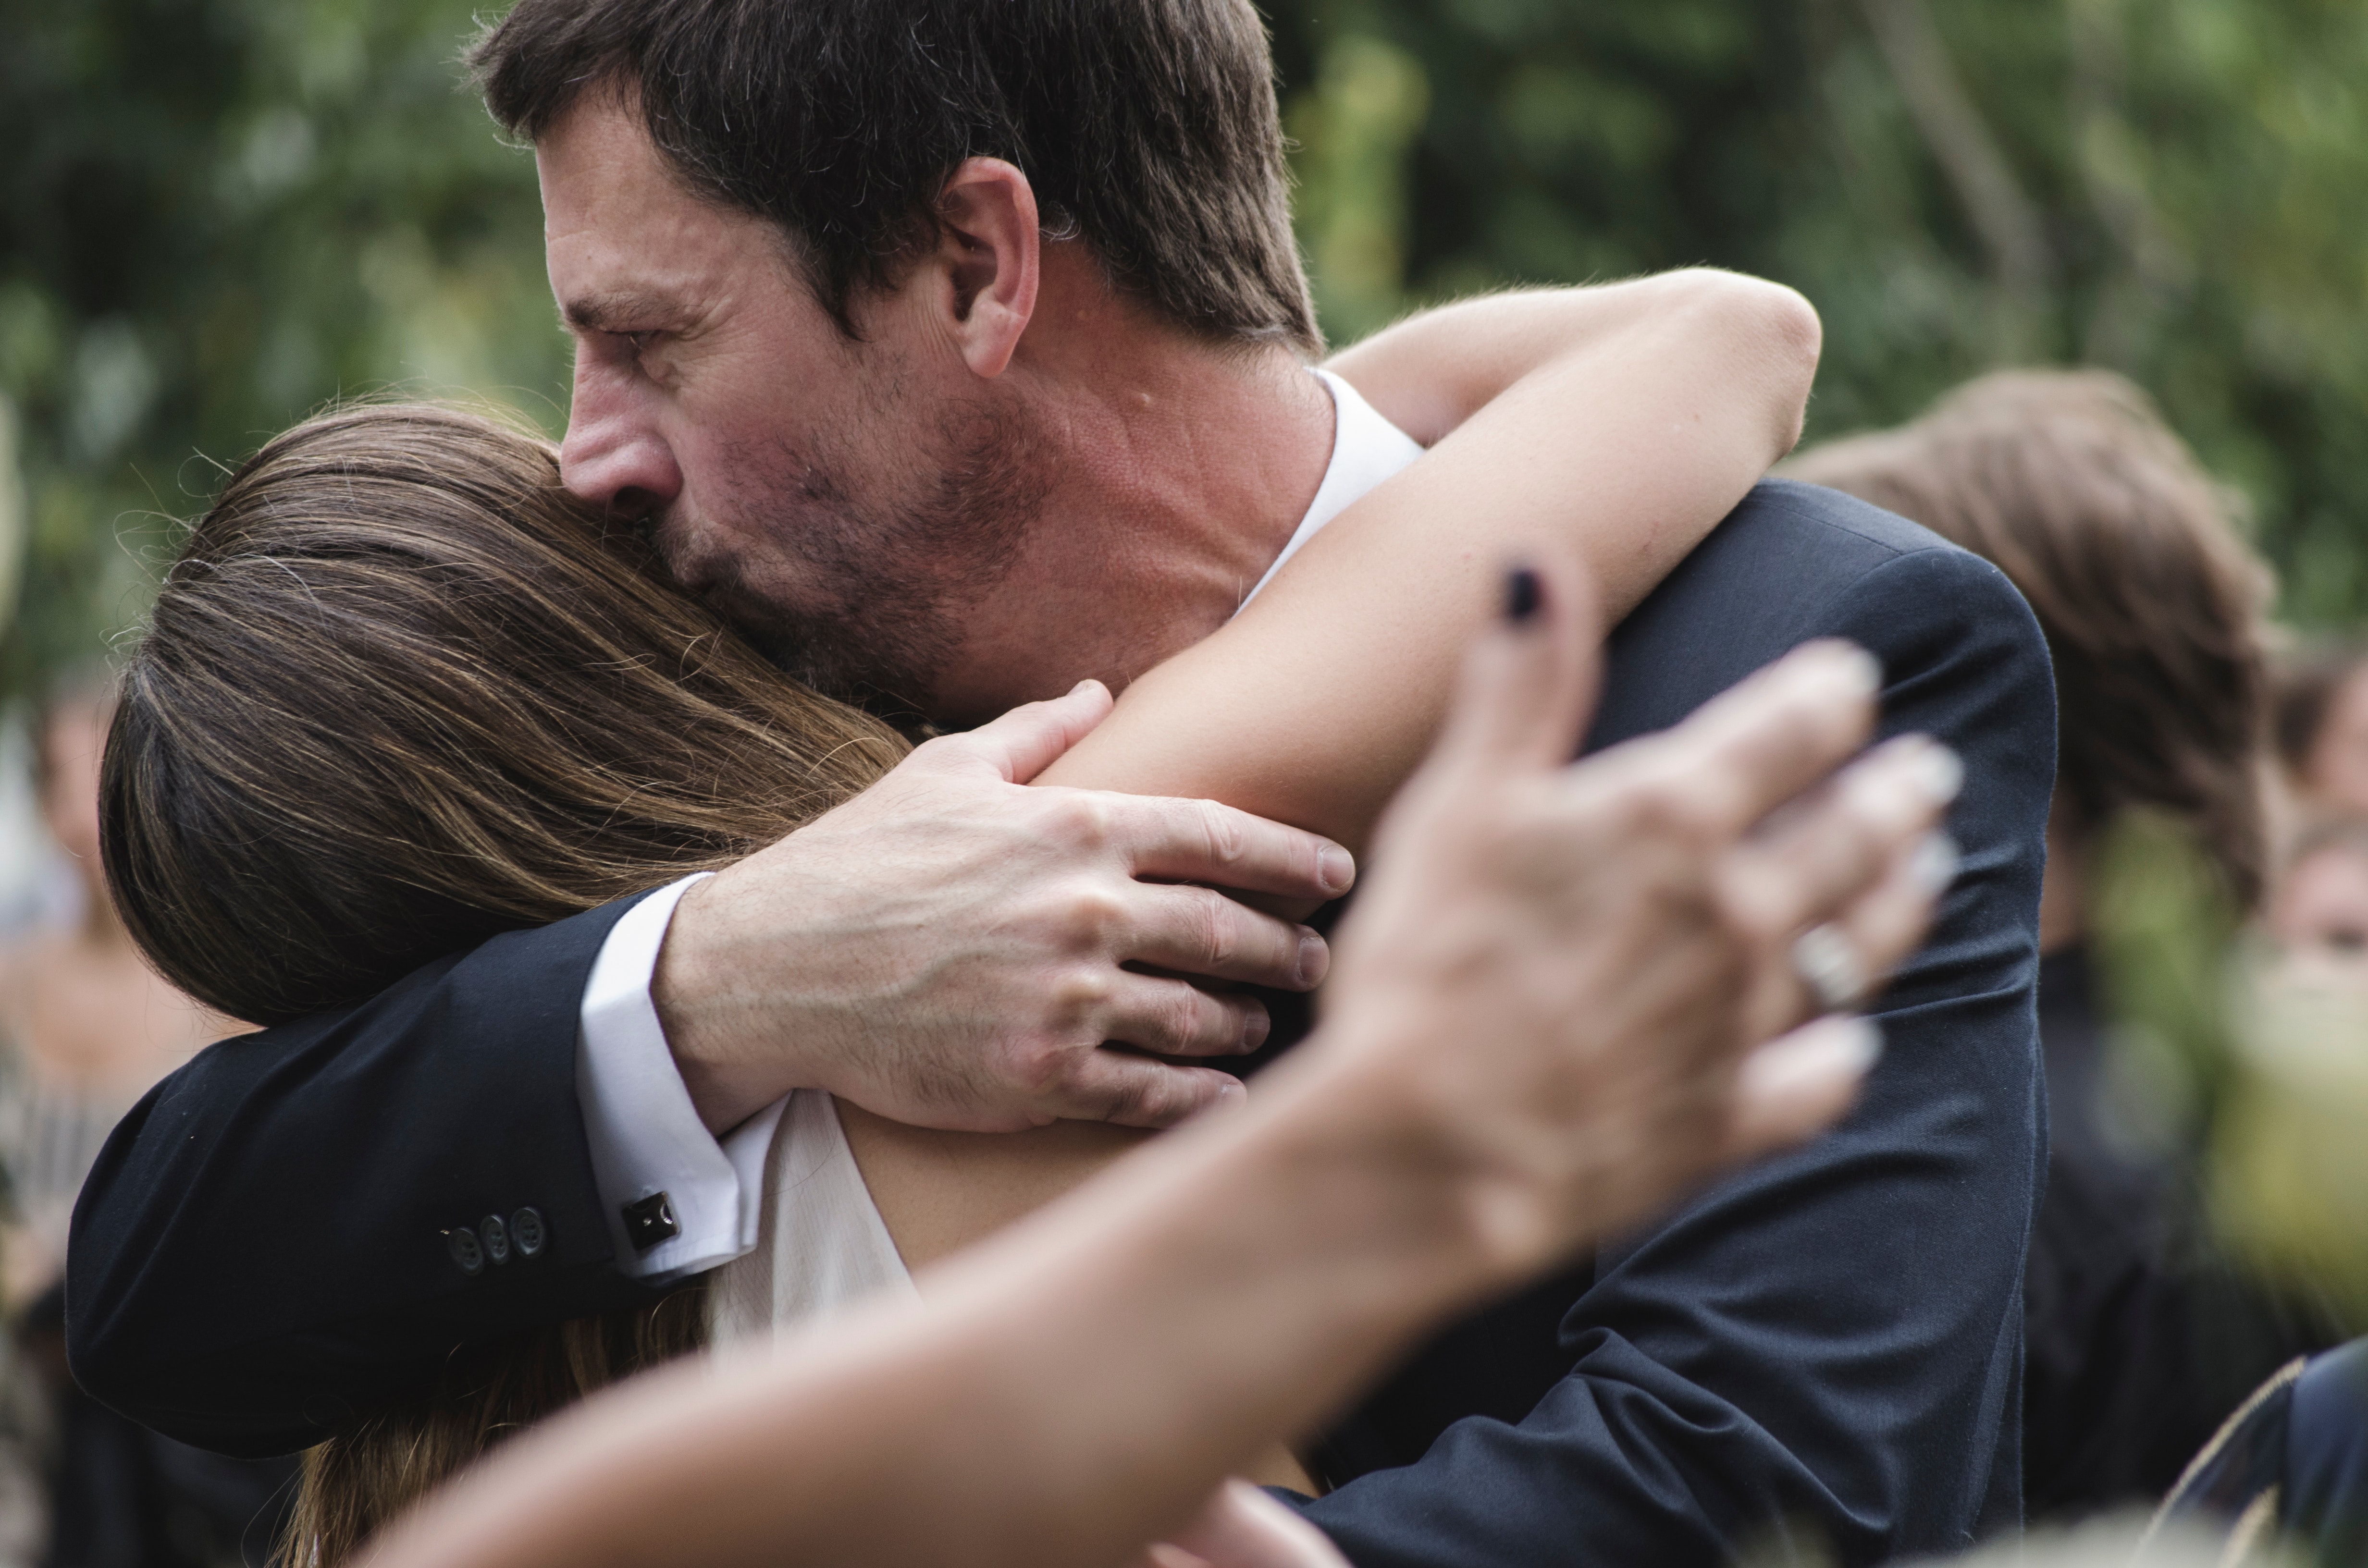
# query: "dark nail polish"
[[1525, 593]]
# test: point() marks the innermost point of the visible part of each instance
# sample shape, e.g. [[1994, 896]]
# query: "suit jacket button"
[[462, 1242], [527, 1233], [497, 1238]]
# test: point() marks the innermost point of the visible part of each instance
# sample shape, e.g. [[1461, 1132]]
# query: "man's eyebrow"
[[619, 310]]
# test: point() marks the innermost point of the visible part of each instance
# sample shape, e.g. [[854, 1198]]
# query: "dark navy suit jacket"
[[1830, 1344]]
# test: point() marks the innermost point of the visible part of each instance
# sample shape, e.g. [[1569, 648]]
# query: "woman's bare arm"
[[1620, 423]]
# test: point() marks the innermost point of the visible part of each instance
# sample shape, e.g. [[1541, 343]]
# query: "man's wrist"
[[707, 1021]]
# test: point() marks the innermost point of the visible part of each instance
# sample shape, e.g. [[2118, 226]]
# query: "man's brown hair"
[[1147, 128], [2070, 483]]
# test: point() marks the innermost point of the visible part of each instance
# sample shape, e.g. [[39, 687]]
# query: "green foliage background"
[[214, 215]]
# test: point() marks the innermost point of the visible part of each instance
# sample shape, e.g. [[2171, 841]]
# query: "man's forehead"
[[598, 169], [626, 242]]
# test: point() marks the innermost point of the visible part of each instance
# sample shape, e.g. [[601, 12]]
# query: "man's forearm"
[[952, 949]]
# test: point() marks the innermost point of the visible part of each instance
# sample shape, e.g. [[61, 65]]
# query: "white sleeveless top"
[[820, 1244]]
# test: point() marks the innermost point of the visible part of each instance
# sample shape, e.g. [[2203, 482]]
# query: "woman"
[[86, 1028], [401, 694]]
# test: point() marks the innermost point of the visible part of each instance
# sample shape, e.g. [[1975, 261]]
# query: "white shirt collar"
[[1366, 450]]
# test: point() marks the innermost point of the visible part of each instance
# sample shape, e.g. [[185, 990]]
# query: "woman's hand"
[[1244, 1528], [1555, 982]]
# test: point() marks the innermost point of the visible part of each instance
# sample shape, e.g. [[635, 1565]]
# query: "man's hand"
[[1564, 970], [952, 949]]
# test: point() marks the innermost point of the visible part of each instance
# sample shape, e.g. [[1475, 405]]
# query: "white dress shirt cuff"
[[645, 1137]]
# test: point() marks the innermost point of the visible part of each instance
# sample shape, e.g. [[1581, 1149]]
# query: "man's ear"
[[989, 255]]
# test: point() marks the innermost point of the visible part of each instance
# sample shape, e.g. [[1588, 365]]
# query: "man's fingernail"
[[1933, 862], [1082, 684], [1315, 960], [1335, 869], [1525, 594], [1939, 773], [1231, 1095], [1255, 1027]]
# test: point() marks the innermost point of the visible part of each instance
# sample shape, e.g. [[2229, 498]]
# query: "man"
[[920, 450]]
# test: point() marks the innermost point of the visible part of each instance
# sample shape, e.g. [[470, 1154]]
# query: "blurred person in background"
[[2317, 912], [2140, 1342], [89, 1026], [2322, 729]]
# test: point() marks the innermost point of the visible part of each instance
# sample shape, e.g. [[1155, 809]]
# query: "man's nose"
[[614, 457]]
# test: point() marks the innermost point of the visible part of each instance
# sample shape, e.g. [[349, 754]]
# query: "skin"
[[1601, 1017], [2338, 767], [1166, 473], [2321, 907], [83, 1012]]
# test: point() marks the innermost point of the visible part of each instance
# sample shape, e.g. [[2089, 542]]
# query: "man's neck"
[[1181, 472]]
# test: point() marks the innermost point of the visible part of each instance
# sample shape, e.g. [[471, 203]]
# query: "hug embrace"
[[696, 880]]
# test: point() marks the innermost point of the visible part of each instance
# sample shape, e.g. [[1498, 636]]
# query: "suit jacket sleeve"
[[1827, 1348], [263, 1250]]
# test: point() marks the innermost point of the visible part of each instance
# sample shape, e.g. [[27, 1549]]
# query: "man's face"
[[846, 505]]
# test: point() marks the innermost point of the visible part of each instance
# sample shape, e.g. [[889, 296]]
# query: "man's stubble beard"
[[884, 588]]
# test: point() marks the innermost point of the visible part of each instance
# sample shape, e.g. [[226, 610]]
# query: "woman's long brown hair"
[[400, 693]]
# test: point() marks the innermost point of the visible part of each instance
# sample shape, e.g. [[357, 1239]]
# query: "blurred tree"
[[218, 213], [2177, 189], [215, 215]]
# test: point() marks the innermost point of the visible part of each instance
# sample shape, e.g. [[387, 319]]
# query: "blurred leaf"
[[2198, 168], [218, 215]]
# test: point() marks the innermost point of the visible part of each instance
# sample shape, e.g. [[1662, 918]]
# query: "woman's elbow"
[[1768, 338]]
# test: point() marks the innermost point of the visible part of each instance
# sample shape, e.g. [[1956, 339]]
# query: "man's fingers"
[[1135, 1091], [1195, 931], [1027, 740], [1528, 680], [1762, 742], [1170, 1017], [1797, 1085], [1201, 841]]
